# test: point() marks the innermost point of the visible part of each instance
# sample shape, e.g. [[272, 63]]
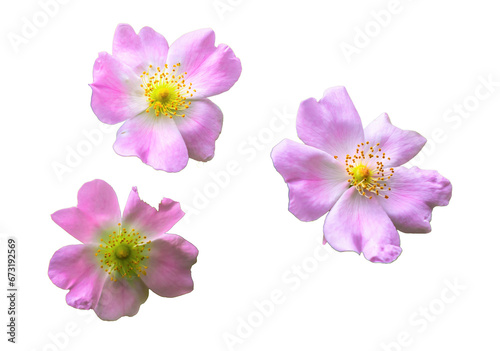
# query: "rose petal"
[[145, 218], [212, 70], [200, 128], [155, 140], [414, 193], [169, 270], [331, 124], [400, 145], [116, 91], [97, 209], [315, 179], [98, 199], [74, 267], [139, 50], [121, 298], [359, 224]]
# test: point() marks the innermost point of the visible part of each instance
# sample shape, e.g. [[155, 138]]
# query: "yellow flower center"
[[122, 253], [366, 170], [167, 91], [361, 173]]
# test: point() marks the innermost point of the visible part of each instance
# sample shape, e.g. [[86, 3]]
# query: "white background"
[[427, 58]]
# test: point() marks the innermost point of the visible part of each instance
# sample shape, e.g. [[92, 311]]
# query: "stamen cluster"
[[122, 253], [366, 170], [167, 91]]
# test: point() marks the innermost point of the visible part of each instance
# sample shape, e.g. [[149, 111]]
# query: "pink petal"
[[116, 91], [200, 129], [358, 224], [212, 70], [121, 298], [155, 140], [169, 270], [331, 124], [400, 145], [315, 179], [97, 209], [138, 51], [74, 267], [414, 193], [145, 218]]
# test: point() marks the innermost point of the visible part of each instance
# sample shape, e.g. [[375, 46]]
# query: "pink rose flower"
[[122, 257], [161, 92], [356, 176]]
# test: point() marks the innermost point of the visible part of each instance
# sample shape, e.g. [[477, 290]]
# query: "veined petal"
[[414, 193], [117, 94], [200, 128], [138, 51], [120, 298], [147, 219], [400, 145], [74, 267], [359, 224], [169, 270], [155, 140], [97, 209], [211, 69], [331, 124], [315, 179]]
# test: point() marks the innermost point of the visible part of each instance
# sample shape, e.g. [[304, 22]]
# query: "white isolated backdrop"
[[424, 59]]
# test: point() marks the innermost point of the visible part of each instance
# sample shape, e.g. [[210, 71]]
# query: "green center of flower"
[[162, 95], [123, 253], [167, 91], [366, 170]]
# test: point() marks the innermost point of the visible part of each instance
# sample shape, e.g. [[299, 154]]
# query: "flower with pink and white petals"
[[121, 257], [161, 92], [356, 176]]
